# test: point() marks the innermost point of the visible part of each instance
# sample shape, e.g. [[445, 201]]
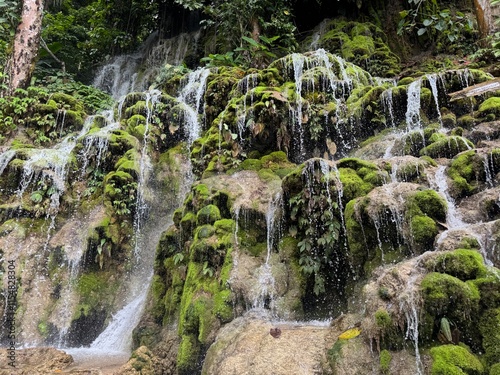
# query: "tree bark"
[[26, 44], [484, 18]]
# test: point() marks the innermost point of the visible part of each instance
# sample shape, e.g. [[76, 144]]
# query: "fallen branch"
[[480, 88]]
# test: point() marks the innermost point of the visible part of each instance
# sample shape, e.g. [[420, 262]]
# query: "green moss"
[[423, 230], [288, 248], [187, 356], [463, 264], [466, 121], [267, 175], [364, 44], [208, 215], [120, 141], [495, 369], [204, 231], [427, 202], [188, 222], [385, 361], [158, 290], [454, 360], [128, 163], [139, 108], [445, 295], [67, 100], [202, 192], [447, 147], [489, 326], [250, 165], [489, 289], [353, 185], [94, 291], [462, 171], [383, 319], [136, 125], [224, 226], [490, 106], [449, 120], [356, 237], [43, 328]]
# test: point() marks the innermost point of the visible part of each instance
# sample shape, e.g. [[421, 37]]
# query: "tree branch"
[[46, 48]]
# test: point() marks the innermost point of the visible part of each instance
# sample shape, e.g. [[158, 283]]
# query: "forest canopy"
[[84, 33]]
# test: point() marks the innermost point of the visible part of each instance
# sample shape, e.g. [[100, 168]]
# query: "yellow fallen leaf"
[[350, 333]]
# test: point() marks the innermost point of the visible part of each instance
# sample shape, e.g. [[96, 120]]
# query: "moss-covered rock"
[[447, 147], [385, 359], [490, 107], [489, 289], [361, 43], [489, 327], [466, 170], [445, 295], [208, 215], [454, 360], [463, 264]]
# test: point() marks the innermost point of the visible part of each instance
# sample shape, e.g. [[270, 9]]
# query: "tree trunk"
[[26, 43], [484, 18]]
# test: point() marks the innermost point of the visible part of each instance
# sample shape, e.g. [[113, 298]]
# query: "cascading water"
[[51, 164], [190, 96], [152, 99], [409, 306], [413, 120], [246, 86], [119, 76], [264, 296], [432, 78], [5, 158], [453, 218], [298, 67]]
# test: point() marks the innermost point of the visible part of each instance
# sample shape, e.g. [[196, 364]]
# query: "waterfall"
[[432, 78], [119, 76], [190, 96], [387, 102], [440, 183], [265, 295], [51, 164], [98, 140], [408, 305], [413, 121], [152, 98], [298, 67], [246, 86], [5, 158]]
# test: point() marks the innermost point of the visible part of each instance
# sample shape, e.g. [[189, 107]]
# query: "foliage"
[[248, 28], [94, 183], [312, 214], [446, 29], [82, 34], [93, 99], [19, 110], [9, 18]]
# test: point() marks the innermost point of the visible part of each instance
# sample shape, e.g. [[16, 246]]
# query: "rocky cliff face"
[[354, 217]]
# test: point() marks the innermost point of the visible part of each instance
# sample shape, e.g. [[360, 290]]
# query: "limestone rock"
[[245, 347], [36, 361]]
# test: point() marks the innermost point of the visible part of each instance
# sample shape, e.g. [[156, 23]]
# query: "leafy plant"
[[207, 270], [314, 222], [434, 25], [178, 258], [9, 18], [100, 252]]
